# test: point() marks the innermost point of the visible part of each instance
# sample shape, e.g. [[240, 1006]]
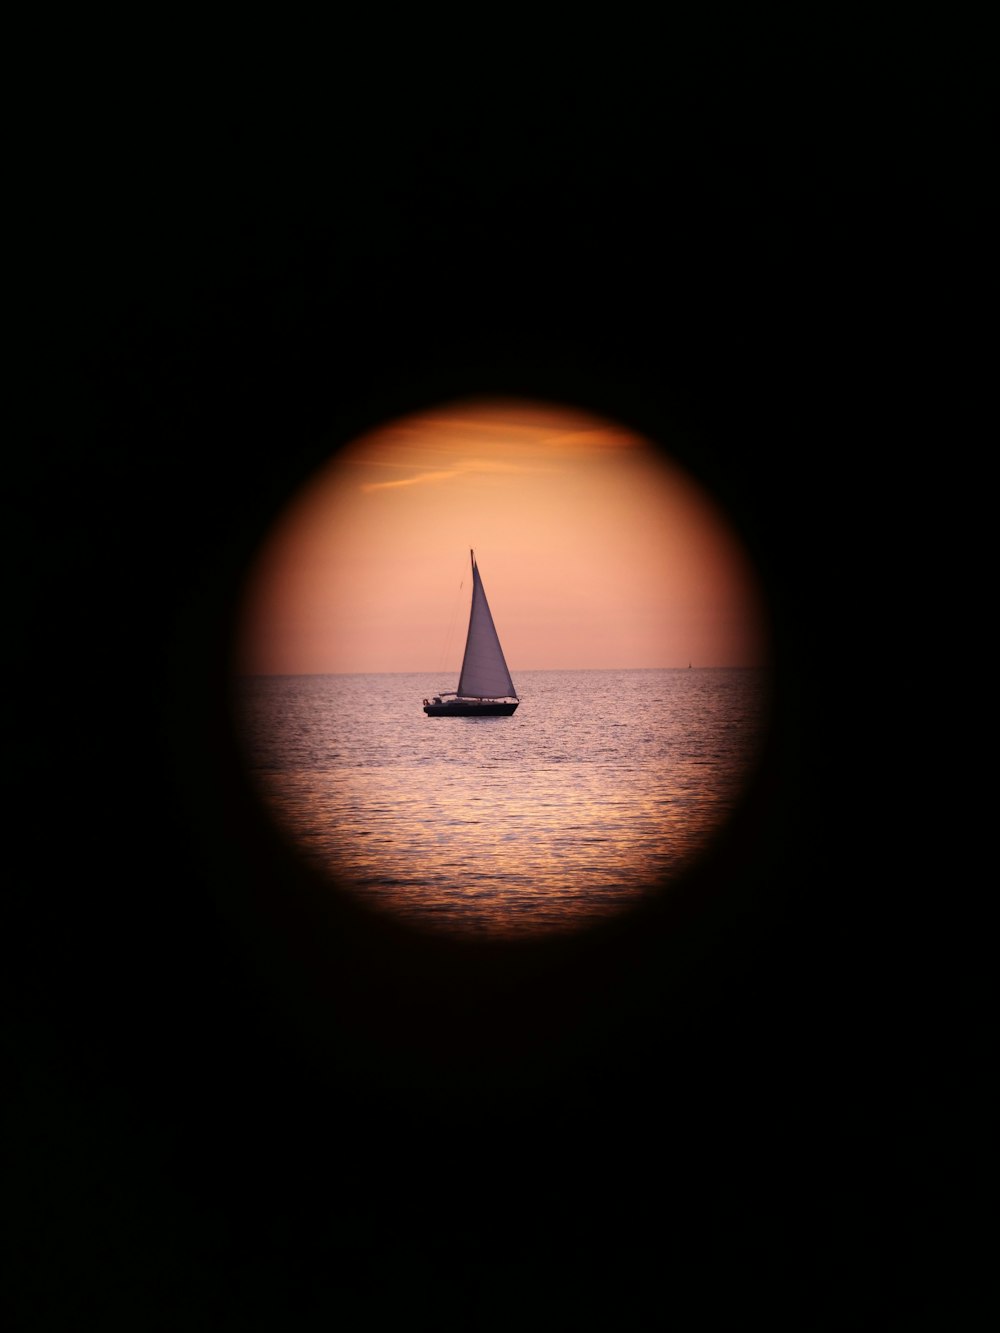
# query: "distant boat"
[[485, 688]]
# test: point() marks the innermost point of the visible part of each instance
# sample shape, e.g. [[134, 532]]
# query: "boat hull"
[[471, 708]]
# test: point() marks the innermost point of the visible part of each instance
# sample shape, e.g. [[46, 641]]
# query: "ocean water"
[[601, 787]]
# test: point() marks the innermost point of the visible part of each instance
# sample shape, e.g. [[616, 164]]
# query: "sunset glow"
[[595, 550]]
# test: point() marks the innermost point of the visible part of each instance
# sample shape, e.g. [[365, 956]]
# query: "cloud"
[[466, 467], [408, 481]]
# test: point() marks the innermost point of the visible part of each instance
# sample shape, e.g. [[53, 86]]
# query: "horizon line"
[[526, 670]]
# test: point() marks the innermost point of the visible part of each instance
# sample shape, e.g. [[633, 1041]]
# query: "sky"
[[594, 549]]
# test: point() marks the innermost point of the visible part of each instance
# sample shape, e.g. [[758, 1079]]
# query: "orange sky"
[[594, 552]]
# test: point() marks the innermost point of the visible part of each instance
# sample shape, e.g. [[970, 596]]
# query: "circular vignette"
[[634, 625]]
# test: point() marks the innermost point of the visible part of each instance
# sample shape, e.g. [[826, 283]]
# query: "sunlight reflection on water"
[[601, 784]]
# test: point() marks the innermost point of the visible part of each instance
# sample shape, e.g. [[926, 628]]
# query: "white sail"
[[484, 670]]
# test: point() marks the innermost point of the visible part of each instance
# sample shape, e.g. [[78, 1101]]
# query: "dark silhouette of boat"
[[485, 688]]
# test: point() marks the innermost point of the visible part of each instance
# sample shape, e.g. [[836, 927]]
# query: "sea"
[[601, 788]]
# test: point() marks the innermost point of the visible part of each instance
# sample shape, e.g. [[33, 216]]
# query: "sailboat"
[[485, 688]]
